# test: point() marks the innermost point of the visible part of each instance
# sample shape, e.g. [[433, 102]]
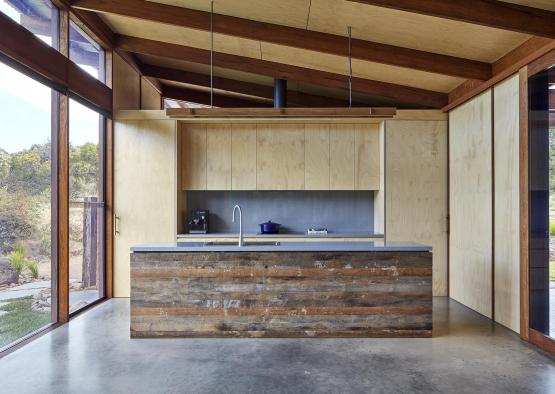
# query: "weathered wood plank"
[[320, 294]]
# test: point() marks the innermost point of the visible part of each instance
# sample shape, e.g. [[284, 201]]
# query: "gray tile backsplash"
[[338, 211]]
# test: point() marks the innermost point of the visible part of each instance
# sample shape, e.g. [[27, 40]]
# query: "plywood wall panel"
[[126, 85], [145, 190], [218, 156], [243, 157], [470, 163], [280, 157], [317, 157], [150, 97], [416, 189], [506, 190]]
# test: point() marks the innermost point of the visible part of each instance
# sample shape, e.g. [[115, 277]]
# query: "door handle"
[[116, 219]]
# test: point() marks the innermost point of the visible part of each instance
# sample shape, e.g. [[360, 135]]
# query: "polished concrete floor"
[[94, 354]]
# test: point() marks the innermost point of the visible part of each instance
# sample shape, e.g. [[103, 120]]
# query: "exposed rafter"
[[290, 36], [294, 98], [489, 13], [401, 93], [200, 97]]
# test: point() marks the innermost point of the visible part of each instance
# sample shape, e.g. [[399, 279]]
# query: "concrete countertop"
[[377, 246], [284, 235]]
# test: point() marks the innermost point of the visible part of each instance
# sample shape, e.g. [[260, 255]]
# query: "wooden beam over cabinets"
[[490, 13], [293, 37], [401, 93]]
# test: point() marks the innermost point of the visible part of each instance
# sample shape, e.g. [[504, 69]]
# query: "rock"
[[42, 301], [7, 274]]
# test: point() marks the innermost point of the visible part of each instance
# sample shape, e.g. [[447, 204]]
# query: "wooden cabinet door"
[[367, 156], [193, 156], [280, 157], [342, 152], [243, 157], [317, 157], [218, 156]]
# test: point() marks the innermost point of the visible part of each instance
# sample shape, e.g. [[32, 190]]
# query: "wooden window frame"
[[51, 66], [527, 333]]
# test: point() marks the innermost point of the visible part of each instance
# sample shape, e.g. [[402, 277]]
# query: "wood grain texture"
[[243, 157], [193, 156], [524, 207], [379, 195], [280, 157], [342, 154], [506, 216], [150, 97], [317, 157], [470, 191], [284, 294], [218, 156], [126, 85], [416, 189], [367, 156], [145, 183]]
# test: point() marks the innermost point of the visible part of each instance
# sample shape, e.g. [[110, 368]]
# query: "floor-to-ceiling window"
[[542, 201], [27, 110], [86, 188]]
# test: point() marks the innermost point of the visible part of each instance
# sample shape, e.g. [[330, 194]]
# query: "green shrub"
[[33, 267], [20, 249], [17, 261], [552, 226]]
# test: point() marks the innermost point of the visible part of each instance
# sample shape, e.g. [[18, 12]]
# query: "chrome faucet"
[[241, 243]]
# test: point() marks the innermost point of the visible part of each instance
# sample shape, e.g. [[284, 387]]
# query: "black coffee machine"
[[198, 222]]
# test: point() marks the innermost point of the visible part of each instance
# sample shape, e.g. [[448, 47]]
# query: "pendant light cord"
[[350, 70], [212, 54]]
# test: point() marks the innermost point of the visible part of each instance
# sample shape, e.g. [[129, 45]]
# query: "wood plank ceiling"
[[403, 56]]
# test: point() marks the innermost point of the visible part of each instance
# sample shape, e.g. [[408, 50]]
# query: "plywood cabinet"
[[193, 156], [278, 156], [342, 153], [218, 156], [243, 157], [317, 157], [367, 156]]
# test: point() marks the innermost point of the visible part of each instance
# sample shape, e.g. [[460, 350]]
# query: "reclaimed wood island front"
[[363, 289]]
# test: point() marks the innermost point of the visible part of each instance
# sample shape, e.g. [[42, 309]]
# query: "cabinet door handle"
[[116, 219]]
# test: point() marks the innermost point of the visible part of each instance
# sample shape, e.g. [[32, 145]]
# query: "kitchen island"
[[297, 289]]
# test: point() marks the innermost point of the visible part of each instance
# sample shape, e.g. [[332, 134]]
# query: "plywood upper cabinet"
[[342, 153], [280, 157], [243, 157], [317, 157], [193, 156], [218, 156], [367, 156]]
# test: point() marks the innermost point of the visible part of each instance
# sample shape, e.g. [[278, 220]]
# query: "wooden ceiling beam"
[[293, 37], [200, 97], [400, 93], [294, 98], [508, 65], [192, 78], [490, 13]]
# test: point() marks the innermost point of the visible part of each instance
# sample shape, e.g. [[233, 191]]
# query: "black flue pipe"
[[280, 93]]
